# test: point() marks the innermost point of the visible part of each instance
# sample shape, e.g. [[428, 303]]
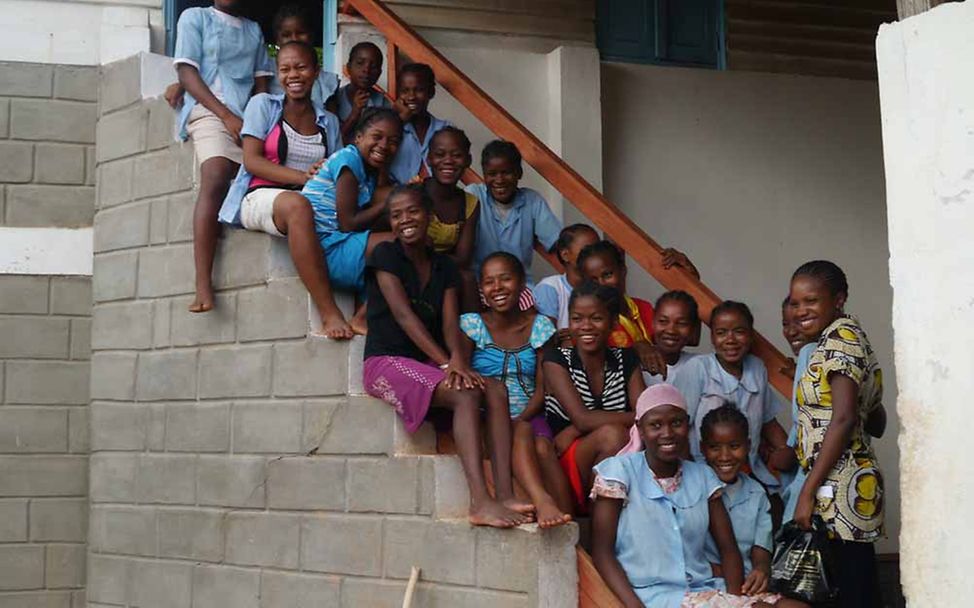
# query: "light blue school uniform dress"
[[321, 91], [411, 157], [749, 509], [229, 53], [706, 386], [262, 113], [673, 372], [793, 482], [527, 218], [661, 538], [345, 251], [551, 296], [376, 100], [516, 368]]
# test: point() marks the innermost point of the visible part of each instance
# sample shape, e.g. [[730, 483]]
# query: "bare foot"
[[549, 515], [358, 323], [494, 514], [518, 506], [336, 327], [203, 302]]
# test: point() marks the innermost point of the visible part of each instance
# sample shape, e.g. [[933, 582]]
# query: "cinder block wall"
[[234, 463], [47, 132]]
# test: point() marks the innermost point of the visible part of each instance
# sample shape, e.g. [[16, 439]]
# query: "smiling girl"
[[414, 359], [676, 325], [349, 206]]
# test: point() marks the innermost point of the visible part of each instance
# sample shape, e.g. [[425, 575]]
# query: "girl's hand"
[[789, 368], [804, 510], [234, 125], [405, 114], [650, 357], [313, 169], [674, 257], [755, 583], [360, 100], [564, 338], [174, 95], [460, 376]]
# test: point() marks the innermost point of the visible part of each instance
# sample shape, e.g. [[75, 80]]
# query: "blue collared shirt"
[[376, 100], [412, 152], [320, 190], [706, 386], [749, 509], [262, 113], [530, 217], [225, 49], [324, 87], [661, 538]]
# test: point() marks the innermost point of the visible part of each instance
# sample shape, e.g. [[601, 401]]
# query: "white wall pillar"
[[927, 95]]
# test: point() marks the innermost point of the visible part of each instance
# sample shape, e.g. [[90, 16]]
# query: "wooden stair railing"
[[636, 243]]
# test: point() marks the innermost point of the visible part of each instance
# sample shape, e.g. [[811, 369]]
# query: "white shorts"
[[210, 136], [257, 210]]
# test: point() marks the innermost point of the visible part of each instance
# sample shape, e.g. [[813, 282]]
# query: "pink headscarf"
[[653, 397]]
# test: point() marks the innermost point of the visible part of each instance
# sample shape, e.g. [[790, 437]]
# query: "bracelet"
[[444, 366]]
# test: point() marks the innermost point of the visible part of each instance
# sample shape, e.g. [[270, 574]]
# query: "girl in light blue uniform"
[[654, 512]]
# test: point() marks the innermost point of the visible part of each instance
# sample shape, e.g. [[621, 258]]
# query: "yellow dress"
[[444, 236]]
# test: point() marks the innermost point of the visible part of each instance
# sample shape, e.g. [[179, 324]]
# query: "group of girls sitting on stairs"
[[684, 480]]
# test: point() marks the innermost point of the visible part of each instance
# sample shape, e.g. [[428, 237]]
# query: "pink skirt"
[[405, 384]]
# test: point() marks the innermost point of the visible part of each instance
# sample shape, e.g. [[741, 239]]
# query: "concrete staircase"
[[236, 461]]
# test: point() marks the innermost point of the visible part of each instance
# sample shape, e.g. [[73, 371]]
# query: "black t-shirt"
[[385, 336], [620, 363]]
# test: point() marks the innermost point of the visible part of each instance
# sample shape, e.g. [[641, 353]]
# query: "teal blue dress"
[[516, 368]]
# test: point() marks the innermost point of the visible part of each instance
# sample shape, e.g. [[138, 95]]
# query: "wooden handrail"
[[630, 237]]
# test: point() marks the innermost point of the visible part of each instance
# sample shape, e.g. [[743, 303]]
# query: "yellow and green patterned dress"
[[851, 498]]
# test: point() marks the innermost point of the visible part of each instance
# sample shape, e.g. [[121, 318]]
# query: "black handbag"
[[802, 565]]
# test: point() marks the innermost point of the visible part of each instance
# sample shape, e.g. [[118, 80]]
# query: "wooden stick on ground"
[[407, 601]]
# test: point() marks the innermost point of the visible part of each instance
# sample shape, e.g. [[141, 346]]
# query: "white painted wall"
[[60, 251], [74, 32], [925, 68], [752, 175]]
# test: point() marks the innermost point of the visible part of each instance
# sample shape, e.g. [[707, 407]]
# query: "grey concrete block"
[[37, 599], [166, 375], [59, 164], [108, 579], [280, 589], [238, 371], [215, 327], [117, 426], [377, 593], [198, 427], [267, 427], [81, 339], [443, 549], [166, 271], [21, 567], [509, 561], [23, 294], [114, 276], [19, 79], [47, 206], [113, 376], [120, 84], [439, 595], [166, 479], [250, 258], [384, 485], [47, 382], [71, 296], [122, 326], [279, 310], [114, 183], [309, 368], [161, 124], [4, 117], [59, 520], [76, 82], [232, 481], [52, 120], [163, 172], [26, 430], [451, 498], [219, 587], [162, 323], [161, 585], [65, 566], [16, 162], [122, 227], [180, 220], [121, 133], [13, 521], [306, 483], [155, 433], [78, 442], [126, 530], [353, 426], [90, 168], [263, 539], [191, 534], [158, 220], [113, 477], [79, 599], [34, 338], [343, 544]]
